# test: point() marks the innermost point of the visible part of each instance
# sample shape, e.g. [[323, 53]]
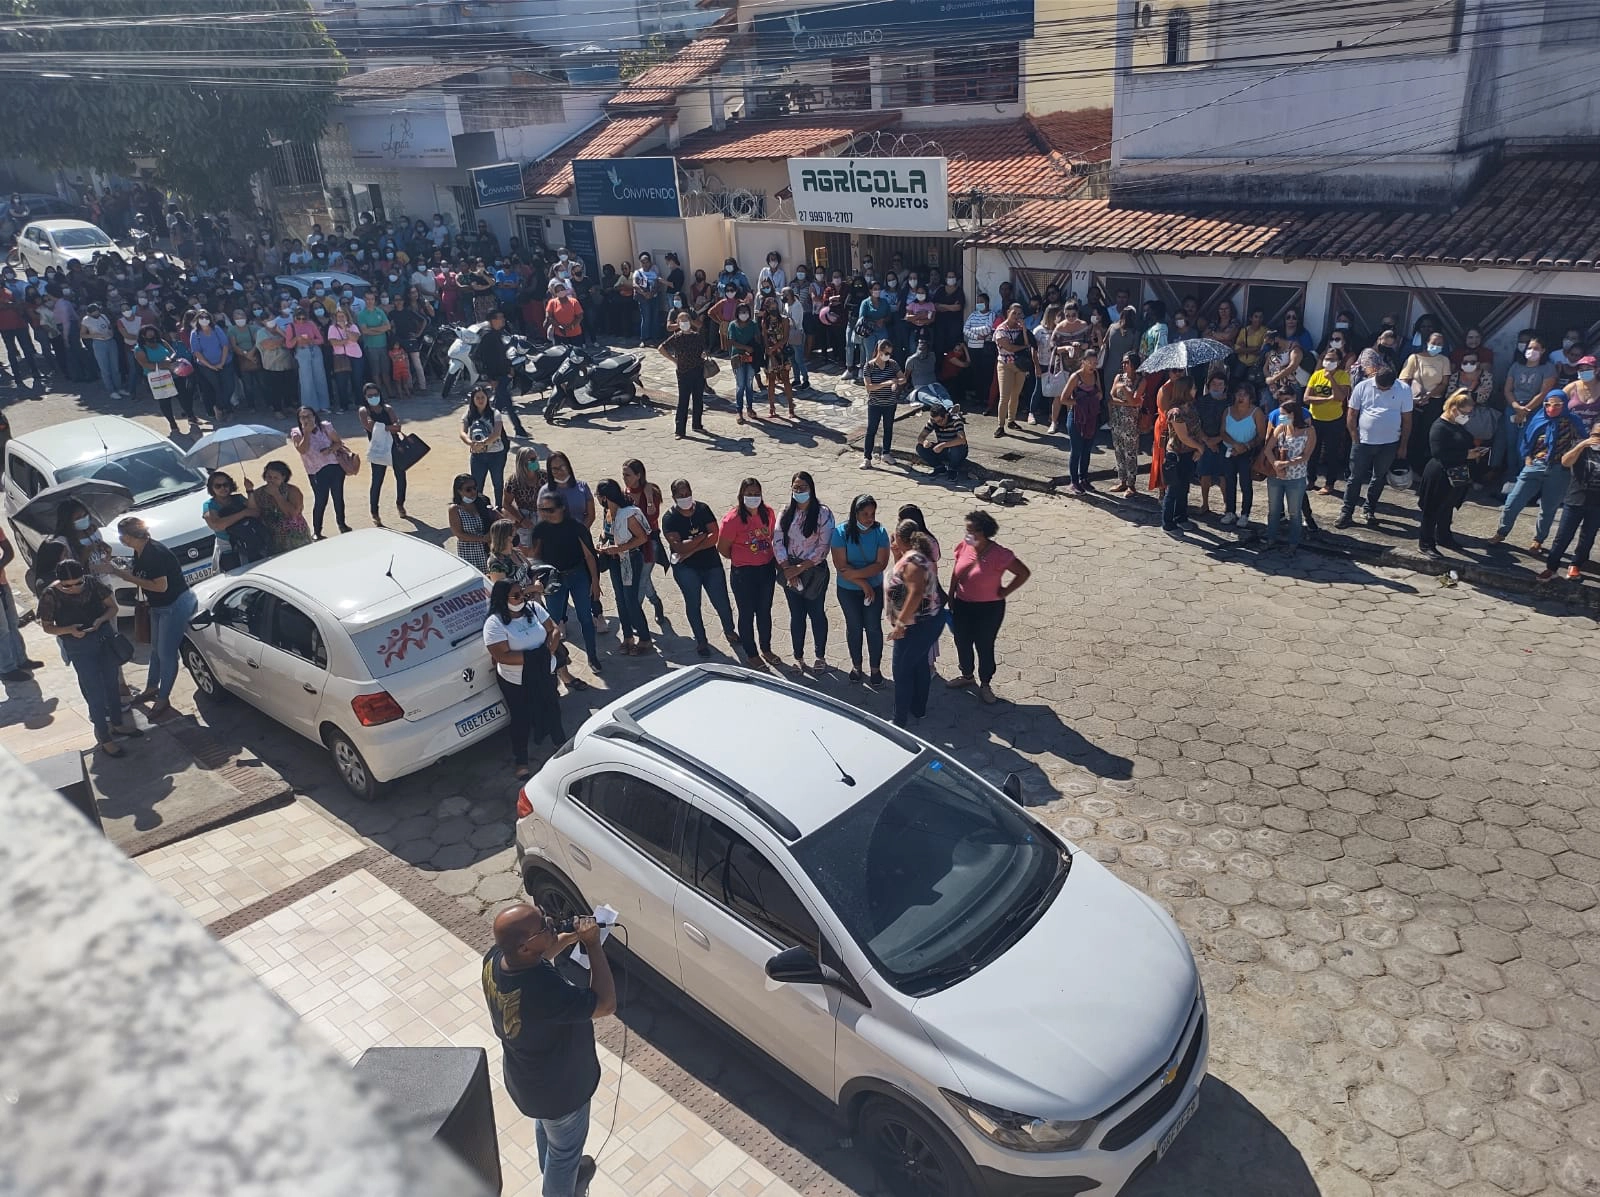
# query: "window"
[[645, 815], [1274, 299], [296, 633], [295, 164], [243, 610], [727, 869], [1569, 24], [976, 74], [27, 479], [1369, 306], [153, 474], [1178, 38], [907, 84], [1554, 316], [852, 79]]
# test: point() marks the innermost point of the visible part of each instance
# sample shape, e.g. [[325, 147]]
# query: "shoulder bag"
[[408, 450], [349, 460]]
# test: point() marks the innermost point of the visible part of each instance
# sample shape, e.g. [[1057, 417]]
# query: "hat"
[[1585, 361]]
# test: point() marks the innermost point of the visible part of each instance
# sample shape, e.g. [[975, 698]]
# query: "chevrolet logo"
[[1169, 1076]]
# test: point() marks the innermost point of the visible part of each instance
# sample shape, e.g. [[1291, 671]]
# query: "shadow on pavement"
[[1229, 1149]]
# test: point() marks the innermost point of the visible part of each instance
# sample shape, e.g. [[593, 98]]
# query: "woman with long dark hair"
[[646, 496], [1290, 444], [805, 536], [622, 551], [860, 556], [745, 539], [522, 639], [81, 610], [916, 611], [318, 443], [470, 518]]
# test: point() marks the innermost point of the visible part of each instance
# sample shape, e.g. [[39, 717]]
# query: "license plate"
[[483, 718], [1183, 1121], [196, 573]]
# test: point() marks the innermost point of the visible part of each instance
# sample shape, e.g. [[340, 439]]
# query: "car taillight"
[[524, 807], [373, 709]]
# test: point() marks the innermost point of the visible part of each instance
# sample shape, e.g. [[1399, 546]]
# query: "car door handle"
[[699, 936], [308, 687], [252, 664], [577, 855]]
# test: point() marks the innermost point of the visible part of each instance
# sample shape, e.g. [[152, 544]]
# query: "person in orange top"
[[563, 315]]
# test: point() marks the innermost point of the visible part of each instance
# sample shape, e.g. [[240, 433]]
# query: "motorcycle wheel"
[[550, 407], [449, 384]]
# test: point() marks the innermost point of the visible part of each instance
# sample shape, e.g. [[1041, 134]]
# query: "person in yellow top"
[[1325, 397], [1248, 345]]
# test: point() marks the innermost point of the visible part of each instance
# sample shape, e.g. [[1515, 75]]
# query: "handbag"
[[712, 367], [183, 367], [349, 460], [141, 622], [409, 450], [814, 582], [1458, 475], [162, 385], [121, 647]]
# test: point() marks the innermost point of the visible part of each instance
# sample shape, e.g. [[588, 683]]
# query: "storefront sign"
[[890, 25], [907, 194], [499, 184], [579, 238], [401, 138], [626, 186]]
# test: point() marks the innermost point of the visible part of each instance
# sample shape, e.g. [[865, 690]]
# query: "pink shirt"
[[306, 333], [317, 451], [345, 339], [751, 538], [975, 579]]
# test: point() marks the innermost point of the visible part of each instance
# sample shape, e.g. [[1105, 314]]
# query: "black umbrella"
[[104, 501]]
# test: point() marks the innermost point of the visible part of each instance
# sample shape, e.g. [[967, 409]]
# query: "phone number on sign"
[[827, 217]]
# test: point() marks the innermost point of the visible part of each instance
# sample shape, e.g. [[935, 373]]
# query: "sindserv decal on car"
[[424, 632]]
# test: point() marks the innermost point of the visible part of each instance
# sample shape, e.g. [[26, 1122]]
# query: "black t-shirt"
[[1584, 489], [685, 525], [155, 560], [492, 353], [560, 545], [546, 1027]]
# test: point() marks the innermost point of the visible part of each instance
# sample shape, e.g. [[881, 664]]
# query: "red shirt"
[[751, 539]]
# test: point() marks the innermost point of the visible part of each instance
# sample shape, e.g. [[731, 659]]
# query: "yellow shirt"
[[1319, 394], [1248, 346]]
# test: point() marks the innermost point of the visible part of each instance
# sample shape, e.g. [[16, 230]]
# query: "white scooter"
[[462, 361]]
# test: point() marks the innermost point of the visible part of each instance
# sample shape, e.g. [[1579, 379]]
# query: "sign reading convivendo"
[[890, 194]]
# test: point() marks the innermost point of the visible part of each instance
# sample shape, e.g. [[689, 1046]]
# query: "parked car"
[[36, 206], [989, 1008], [168, 492], [333, 280], [369, 644], [46, 243]]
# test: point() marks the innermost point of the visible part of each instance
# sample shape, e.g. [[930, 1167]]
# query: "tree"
[[632, 63], [203, 90]]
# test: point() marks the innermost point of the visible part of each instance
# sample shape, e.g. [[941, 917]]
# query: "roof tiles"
[[1534, 214], [612, 138], [1000, 158], [659, 86], [790, 138]]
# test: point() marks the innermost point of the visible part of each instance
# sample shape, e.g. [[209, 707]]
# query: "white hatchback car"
[[46, 243], [990, 1009], [370, 643]]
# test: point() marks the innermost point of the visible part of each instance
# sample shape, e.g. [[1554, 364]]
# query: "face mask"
[[983, 307], [82, 523], [921, 296], [766, 290], [864, 527], [800, 274], [772, 263], [1435, 350], [1218, 392], [1533, 356], [685, 325], [374, 400], [1469, 367], [1342, 325], [970, 539], [1586, 375], [1568, 343], [868, 277], [949, 280], [752, 501], [728, 268], [685, 503], [516, 608], [566, 274], [802, 497], [1521, 345], [238, 321], [838, 279], [127, 313], [394, 278], [1331, 363], [1460, 417]]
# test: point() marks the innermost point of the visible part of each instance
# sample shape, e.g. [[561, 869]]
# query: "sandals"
[[112, 748], [577, 683]]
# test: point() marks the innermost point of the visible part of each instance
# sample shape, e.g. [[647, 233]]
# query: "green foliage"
[[201, 88], [637, 62]]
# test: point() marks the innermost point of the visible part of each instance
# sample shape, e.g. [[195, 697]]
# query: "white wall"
[[1067, 64], [1526, 91], [531, 142]]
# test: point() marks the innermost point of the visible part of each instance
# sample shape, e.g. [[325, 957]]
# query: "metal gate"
[[828, 251], [916, 253]]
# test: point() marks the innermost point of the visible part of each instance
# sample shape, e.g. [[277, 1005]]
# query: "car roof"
[[60, 222], [368, 575], [322, 276], [88, 440], [774, 740]]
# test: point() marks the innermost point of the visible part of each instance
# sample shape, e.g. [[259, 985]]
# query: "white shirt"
[[438, 235], [520, 636], [424, 281], [380, 446], [773, 275], [97, 328], [1380, 411]]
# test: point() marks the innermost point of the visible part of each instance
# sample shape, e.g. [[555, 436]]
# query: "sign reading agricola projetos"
[[871, 193]]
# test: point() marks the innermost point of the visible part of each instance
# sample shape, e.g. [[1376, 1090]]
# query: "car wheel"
[[554, 896], [204, 680], [352, 767], [914, 1158]]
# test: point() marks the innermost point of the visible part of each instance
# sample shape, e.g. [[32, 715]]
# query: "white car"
[[990, 1009], [45, 243], [370, 644], [168, 492], [333, 280]]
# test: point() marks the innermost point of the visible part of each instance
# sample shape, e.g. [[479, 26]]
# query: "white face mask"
[[685, 502], [1461, 417], [516, 608], [970, 539], [685, 325], [752, 501]]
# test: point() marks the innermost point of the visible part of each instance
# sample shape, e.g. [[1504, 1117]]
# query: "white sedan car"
[[369, 644], [46, 243], [991, 1009]]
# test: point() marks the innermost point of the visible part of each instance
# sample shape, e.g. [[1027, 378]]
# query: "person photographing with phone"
[[546, 1029]]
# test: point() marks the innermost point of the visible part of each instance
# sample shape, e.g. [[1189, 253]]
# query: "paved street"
[[1366, 796]]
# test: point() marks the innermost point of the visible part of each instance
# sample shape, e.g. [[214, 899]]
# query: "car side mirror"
[[202, 619], [797, 966], [1011, 787]]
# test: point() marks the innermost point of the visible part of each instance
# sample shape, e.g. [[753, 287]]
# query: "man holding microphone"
[[546, 1029]]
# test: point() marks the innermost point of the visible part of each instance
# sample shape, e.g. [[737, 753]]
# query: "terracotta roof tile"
[[397, 80], [658, 87], [996, 157], [790, 138], [612, 138], [1536, 214], [1079, 134]]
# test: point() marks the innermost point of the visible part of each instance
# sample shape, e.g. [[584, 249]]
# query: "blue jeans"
[[862, 618], [13, 652], [1081, 440], [167, 625], [853, 358], [1548, 484], [1284, 496], [1582, 522], [91, 659], [1509, 444], [491, 466], [313, 378], [559, 1142], [575, 585], [650, 318], [1238, 483], [744, 375], [709, 582], [630, 607], [1177, 472], [950, 460], [802, 375], [109, 359], [913, 672], [1369, 466]]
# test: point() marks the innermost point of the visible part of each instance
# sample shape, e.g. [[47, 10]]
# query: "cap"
[[1585, 361]]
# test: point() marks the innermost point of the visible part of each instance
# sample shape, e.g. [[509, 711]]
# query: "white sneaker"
[[1228, 519], [1508, 488], [866, 464]]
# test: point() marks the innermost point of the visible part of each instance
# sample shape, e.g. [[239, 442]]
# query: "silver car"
[[989, 1009]]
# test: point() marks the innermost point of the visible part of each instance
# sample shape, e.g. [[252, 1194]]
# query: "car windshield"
[[934, 874], [153, 474], [81, 239]]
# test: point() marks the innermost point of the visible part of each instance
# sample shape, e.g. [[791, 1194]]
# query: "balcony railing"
[[799, 99]]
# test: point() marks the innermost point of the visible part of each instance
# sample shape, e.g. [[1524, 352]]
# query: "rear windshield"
[[426, 632]]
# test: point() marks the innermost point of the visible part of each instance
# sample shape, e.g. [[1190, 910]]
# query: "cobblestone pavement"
[[1367, 798]]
